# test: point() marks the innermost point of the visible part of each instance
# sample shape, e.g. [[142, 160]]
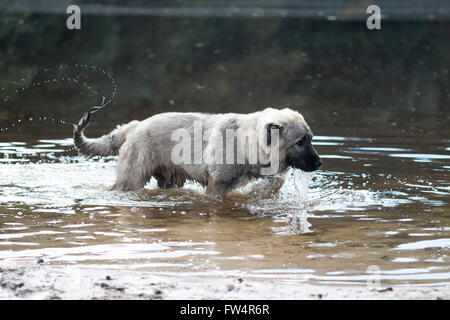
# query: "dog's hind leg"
[[163, 182], [166, 182], [132, 169]]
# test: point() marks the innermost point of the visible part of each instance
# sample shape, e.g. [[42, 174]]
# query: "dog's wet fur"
[[144, 148]]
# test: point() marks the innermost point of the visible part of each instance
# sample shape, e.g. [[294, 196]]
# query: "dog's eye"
[[301, 141]]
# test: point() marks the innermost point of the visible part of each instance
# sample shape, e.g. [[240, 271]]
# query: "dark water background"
[[337, 73]]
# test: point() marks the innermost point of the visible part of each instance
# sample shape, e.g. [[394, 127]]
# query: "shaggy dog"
[[220, 151]]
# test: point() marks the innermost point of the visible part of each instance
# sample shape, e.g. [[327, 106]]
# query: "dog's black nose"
[[317, 163]]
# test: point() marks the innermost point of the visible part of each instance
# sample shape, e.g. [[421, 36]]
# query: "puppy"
[[220, 151]]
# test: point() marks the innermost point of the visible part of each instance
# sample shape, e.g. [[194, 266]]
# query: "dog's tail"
[[106, 145]]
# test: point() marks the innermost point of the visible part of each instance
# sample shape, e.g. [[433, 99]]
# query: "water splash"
[[302, 180], [28, 83], [17, 122], [289, 204]]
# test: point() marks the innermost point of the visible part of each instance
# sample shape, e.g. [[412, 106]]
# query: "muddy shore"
[[71, 282]]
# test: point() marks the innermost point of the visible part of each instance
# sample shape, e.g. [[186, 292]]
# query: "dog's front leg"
[[218, 188], [274, 184]]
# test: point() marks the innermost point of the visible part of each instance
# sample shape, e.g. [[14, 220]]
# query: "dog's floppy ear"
[[269, 132]]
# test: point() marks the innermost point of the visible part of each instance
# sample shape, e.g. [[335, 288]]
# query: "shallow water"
[[377, 201]]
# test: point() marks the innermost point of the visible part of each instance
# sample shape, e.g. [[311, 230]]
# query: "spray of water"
[[27, 83], [302, 181], [289, 205], [299, 218]]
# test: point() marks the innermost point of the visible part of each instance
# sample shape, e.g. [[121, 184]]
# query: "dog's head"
[[294, 139]]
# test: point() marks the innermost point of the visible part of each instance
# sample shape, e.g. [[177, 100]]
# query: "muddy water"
[[379, 200]]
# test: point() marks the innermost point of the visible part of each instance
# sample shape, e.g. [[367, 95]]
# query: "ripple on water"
[[58, 191], [425, 244]]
